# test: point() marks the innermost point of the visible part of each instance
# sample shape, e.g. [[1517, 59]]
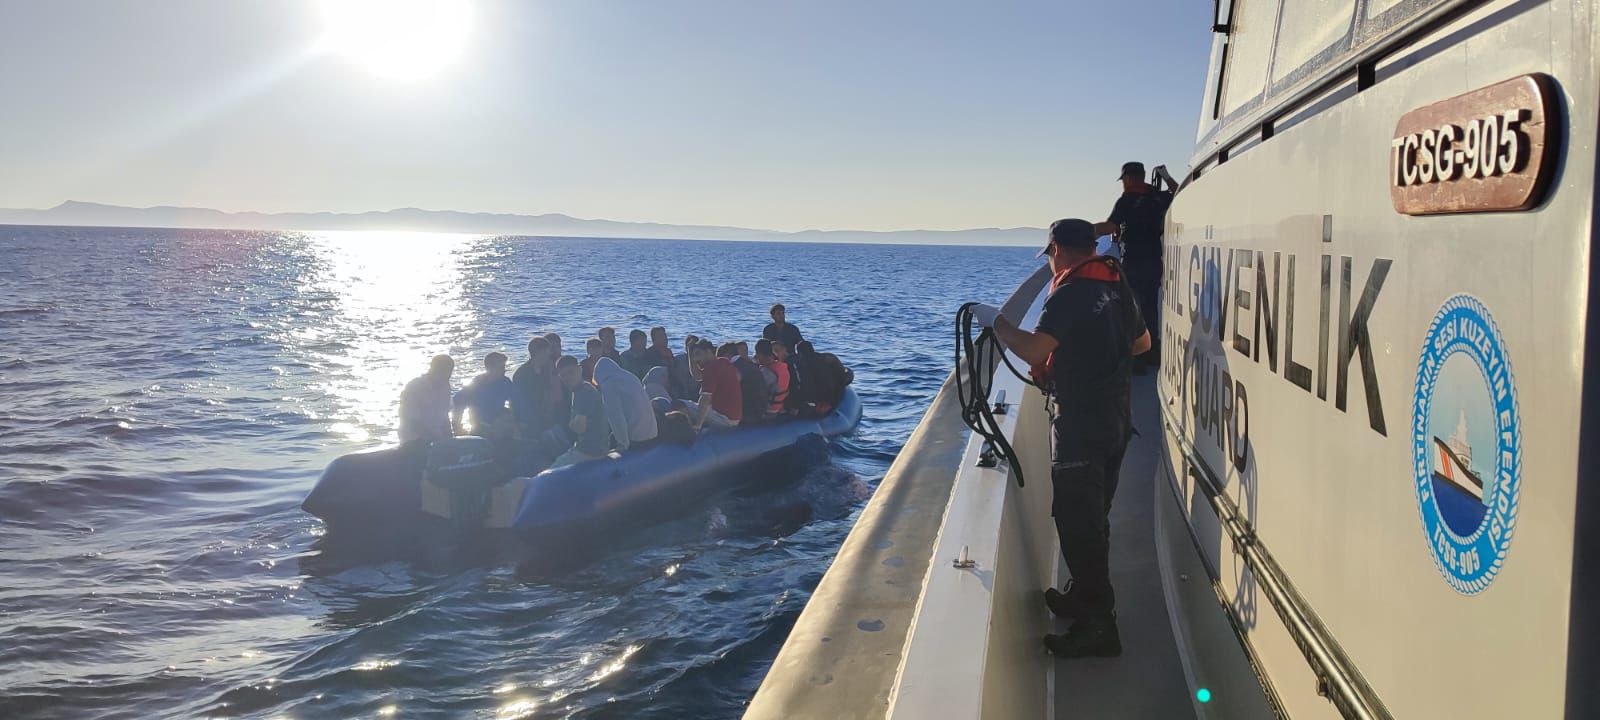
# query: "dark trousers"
[[1144, 276], [1084, 473]]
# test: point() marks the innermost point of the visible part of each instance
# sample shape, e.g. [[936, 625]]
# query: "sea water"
[[167, 398]]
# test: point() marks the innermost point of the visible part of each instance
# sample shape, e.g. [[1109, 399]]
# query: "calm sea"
[[167, 397]]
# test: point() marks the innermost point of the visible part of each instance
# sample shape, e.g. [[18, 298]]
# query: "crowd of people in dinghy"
[[556, 409]]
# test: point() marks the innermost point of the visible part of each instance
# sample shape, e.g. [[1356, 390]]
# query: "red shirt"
[[720, 378]]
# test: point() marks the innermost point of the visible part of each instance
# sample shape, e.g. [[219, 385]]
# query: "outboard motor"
[[465, 468]]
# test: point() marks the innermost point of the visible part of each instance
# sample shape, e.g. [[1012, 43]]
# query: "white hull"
[[1330, 462], [1320, 549]]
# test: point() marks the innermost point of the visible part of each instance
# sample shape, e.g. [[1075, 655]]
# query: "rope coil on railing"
[[975, 359]]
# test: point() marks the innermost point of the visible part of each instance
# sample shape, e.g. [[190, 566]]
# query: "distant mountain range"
[[74, 213]]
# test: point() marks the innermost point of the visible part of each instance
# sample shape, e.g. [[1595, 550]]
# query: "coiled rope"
[[975, 358]]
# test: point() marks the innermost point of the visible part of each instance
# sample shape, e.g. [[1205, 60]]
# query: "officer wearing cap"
[[1138, 220], [1082, 354]]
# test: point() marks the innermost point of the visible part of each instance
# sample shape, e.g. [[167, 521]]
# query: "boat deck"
[[897, 629], [1148, 680]]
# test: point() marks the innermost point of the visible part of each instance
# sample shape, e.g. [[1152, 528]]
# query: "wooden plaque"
[[1492, 149]]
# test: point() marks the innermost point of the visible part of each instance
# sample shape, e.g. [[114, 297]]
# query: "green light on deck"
[[1203, 695]]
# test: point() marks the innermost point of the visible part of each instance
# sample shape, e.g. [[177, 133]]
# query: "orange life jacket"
[[781, 393], [1098, 267]]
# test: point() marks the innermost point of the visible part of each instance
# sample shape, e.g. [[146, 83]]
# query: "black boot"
[[1065, 605], [1089, 637]]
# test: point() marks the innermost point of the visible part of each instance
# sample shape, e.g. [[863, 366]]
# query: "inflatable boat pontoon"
[[396, 489]]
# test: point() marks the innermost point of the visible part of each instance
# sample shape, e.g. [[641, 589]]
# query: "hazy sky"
[[858, 114]]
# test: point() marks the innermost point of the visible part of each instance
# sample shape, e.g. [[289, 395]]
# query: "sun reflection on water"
[[383, 303], [516, 710], [615, 666]]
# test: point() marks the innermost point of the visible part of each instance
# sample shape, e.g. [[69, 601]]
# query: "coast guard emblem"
[[1466, 444]]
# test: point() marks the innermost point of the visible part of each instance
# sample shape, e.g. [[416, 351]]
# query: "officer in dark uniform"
[[1138, 220], [1082, 353]]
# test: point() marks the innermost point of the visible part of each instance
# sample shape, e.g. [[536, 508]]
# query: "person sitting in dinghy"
[[657, 384], [488, 397], [775, 376], [537, 389], [660, 347], [596, 349], [425, 404], [586, 434], [826, 378], [638, 359], [608, 337], [752, 383], [627, 408], [721, 404], [685, 385]]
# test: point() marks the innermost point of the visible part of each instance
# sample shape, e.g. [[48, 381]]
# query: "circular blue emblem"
[[1466, 444]]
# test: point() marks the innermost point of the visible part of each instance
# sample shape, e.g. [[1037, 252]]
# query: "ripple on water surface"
[[171, 396]]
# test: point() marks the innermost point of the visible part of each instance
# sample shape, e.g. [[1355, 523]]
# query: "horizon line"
[[80, 226], [67, 204]]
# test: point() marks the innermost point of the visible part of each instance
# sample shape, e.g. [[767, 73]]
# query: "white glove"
[[985, 315]]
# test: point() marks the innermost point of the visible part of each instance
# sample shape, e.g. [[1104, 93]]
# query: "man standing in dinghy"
[[780, 330]]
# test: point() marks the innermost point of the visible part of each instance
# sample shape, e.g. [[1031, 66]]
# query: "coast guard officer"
[[1138, 220], [1082, 354]]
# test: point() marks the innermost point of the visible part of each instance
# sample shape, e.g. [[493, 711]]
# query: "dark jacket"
[[640, 361], [752, 389], [825, 377], [789, 335], [536, 395], [683, 384]]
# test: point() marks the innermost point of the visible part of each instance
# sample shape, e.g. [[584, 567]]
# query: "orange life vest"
[[781, 392], [1098, 267]]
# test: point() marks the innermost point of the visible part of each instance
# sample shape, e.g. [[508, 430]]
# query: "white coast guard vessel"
[[1366, 485]]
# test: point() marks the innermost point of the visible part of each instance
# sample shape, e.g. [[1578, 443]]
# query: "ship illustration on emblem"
[[1466, 444]]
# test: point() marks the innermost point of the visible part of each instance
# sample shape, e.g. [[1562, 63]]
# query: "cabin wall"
[[1321, 455]]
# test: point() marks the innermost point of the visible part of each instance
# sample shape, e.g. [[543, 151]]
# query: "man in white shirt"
[[425, 403], [627, 407]]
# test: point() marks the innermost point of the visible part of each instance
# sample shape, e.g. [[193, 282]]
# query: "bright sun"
[[397, 39]]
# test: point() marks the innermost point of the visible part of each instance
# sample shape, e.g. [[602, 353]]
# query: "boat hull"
[[383, 491]]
